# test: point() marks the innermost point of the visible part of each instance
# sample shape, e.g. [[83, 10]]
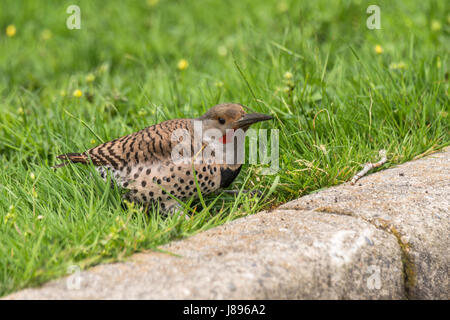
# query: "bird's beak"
[[250, 119]]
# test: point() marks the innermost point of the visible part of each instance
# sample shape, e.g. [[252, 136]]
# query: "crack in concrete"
[[409, 273]]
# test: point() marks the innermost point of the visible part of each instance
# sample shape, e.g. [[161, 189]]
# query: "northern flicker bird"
[[143, 162]]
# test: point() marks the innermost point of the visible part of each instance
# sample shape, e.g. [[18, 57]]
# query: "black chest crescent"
[[228, 175]]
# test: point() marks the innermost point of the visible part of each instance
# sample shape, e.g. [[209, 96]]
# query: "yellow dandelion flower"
[[222, 51], [46, 35], [11, 30], [287, 75], [152, 3], [282, 7], [77, 93], [436, 25], [378, 49], [93, 141], [182, 64], [90, 77]]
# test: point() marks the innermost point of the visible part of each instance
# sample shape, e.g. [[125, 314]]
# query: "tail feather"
[[71, 157], [74, 157]]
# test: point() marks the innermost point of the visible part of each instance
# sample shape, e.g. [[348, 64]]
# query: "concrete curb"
[[384, 238]]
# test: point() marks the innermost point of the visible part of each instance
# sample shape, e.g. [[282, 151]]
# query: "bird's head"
[[230, 116]]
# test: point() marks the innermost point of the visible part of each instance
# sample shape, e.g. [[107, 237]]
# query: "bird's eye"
[[221, 120]]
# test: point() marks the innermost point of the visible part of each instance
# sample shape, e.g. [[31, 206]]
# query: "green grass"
[[343, 104]]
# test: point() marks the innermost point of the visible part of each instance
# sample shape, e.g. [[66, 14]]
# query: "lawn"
[[339, 93]]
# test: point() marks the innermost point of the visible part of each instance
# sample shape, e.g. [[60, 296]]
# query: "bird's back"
[[150, 145]]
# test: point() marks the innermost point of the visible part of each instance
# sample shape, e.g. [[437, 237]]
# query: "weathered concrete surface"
[[283, 254], [384, 238], [412, 202]]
